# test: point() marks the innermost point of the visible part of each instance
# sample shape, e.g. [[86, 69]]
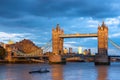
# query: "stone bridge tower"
[[101, 57], [103, 39], [57, 46], [57, 42]]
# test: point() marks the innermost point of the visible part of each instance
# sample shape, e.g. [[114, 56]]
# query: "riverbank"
[[19, 61]]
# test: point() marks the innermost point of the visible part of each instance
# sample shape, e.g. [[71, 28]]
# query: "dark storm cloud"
[[59, 8], [11, 8]]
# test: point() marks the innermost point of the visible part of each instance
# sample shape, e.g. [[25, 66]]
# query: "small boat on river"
[[40, 71]]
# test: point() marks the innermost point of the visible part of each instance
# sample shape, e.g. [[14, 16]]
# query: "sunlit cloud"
[[70, 46], [114, 35], [88, 39], [112, 21], [113, 51], [70, 42], [92, 21], [41, 43], [12, 36]]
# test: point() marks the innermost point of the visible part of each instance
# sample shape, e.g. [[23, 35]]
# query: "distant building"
[[80, 50], [70, 50], [10, 42], [65, 51], [87, 52]]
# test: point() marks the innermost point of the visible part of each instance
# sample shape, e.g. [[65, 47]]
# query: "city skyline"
[[35, 19]]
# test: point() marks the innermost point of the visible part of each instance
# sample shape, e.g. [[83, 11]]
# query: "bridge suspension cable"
[[47, 46], [114, 44]]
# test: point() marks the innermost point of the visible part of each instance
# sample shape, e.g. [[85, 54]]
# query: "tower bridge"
[[102, 36], [58, 40]]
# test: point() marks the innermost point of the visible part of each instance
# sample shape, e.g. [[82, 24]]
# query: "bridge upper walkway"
[[78, 35]]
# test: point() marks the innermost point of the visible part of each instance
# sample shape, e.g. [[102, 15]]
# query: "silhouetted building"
[[65, 51], [89, 51], [85, 52], [70, 50]]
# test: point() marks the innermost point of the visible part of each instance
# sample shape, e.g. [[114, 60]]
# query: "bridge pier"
[[56, 59], [102, 60]]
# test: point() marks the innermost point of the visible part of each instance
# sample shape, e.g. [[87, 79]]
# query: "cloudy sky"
[[35, 19]]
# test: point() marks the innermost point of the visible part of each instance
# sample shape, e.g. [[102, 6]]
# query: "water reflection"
[[102, 72], [16, 73], [57, 72], [70, 71]]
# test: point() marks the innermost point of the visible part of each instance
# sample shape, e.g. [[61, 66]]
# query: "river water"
[[70, 71]]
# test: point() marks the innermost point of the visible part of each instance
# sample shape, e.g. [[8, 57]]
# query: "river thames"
[[70, 71]]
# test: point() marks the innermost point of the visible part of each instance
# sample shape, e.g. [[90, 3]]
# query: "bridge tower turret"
[[57, 42]]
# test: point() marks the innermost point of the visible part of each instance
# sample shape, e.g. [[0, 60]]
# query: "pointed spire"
[[103, 24], [57, 27], [99, 26]]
